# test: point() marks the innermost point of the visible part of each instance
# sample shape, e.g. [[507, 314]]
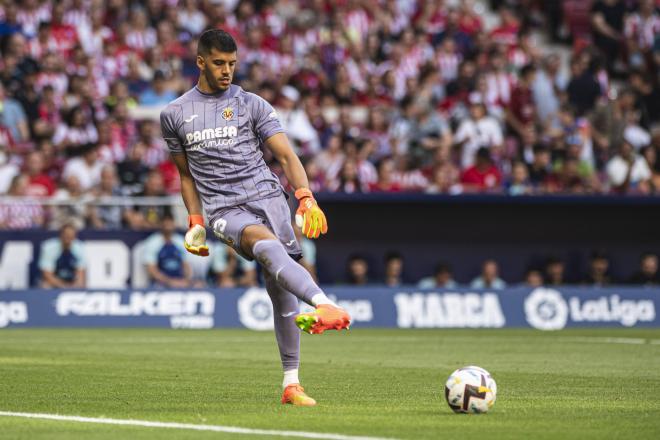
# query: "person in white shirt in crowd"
[[296, 123], [62, 260], [547, 87], [479, 130], [86, 168], [73, 206], [628, 171]]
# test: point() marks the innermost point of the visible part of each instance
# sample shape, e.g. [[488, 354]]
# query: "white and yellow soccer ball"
[[470, 390]]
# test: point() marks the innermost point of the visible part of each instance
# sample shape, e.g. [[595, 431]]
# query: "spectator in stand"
[[232, 270], [357, 270], [610, 120], [157, 94], [443, 175], [607, 19], [519, 184], [20, 214], [483, 175], [348, 181], [331, 159], [547, 90], [489, 278], [385, 182], [431, 132], [86, 168], [648, 274], [647, 93], [628, 172], [540, 168], [62, 260], [555, 272], [650, 155], [108, 216], [583, 88], [40, 184], [13, 117], [165, 257], [72, 205], [442, 278], [393, 269], [132, 171], [149, 216], [598, 274], [533, 277], [521, 112], [78, 131], [296, 122], [8, 170], [641, 28], [479, 130]]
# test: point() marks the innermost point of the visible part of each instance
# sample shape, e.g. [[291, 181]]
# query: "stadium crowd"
[[376, 95]]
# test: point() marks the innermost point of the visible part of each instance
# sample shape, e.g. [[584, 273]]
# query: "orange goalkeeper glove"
[[309, 216], [195, 239]]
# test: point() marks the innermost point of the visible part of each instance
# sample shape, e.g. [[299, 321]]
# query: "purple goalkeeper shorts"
[[228, 223]]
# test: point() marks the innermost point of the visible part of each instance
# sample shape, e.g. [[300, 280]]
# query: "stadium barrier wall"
[[461, 230], [540, 308]]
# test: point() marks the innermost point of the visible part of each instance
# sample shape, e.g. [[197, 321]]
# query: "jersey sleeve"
[[266, 119], [168, 128]]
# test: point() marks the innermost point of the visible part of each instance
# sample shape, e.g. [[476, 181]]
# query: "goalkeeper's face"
[[218, 68]]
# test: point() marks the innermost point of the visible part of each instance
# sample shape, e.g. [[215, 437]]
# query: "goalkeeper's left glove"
[[309, 216], [195, 239]]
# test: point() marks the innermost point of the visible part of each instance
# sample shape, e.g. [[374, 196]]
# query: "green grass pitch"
[[576, 384]]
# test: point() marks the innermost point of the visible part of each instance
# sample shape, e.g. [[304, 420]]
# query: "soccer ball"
[[470, 390]]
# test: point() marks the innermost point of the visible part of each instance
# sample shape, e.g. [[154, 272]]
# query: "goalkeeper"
[[214, 133]]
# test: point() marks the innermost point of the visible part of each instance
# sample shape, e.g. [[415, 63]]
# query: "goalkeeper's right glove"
[[195, 239]]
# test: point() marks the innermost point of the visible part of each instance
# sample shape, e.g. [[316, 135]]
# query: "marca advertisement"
[[541, 308]]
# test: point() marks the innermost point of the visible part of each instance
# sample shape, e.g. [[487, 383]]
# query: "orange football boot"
[[325, 317], [294, 394]]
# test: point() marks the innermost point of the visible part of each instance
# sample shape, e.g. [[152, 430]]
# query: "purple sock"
[[285, 308], [290, 275]]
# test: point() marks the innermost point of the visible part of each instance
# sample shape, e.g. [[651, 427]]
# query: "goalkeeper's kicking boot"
[[325, 317], [294, 394]]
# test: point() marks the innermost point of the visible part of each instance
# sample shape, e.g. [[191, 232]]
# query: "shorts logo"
[[227, 113]]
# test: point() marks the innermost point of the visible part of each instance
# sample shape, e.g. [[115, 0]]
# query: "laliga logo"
[[255, 311], [14, 312], [546, 309]]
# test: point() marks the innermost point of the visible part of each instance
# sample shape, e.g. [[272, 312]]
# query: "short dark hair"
[[442, 267], [215, 39], [393, 255], [527, 69]]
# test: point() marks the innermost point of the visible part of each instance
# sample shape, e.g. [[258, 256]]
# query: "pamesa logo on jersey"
[[211, 137]]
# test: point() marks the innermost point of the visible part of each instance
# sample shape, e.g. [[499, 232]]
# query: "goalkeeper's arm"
[[309, 216], [195, 240]]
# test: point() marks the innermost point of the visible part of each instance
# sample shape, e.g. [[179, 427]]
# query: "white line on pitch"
[[171, 425], [605, 340]]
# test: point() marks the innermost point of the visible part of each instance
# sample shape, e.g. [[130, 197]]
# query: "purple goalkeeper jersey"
[[221, 135]]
